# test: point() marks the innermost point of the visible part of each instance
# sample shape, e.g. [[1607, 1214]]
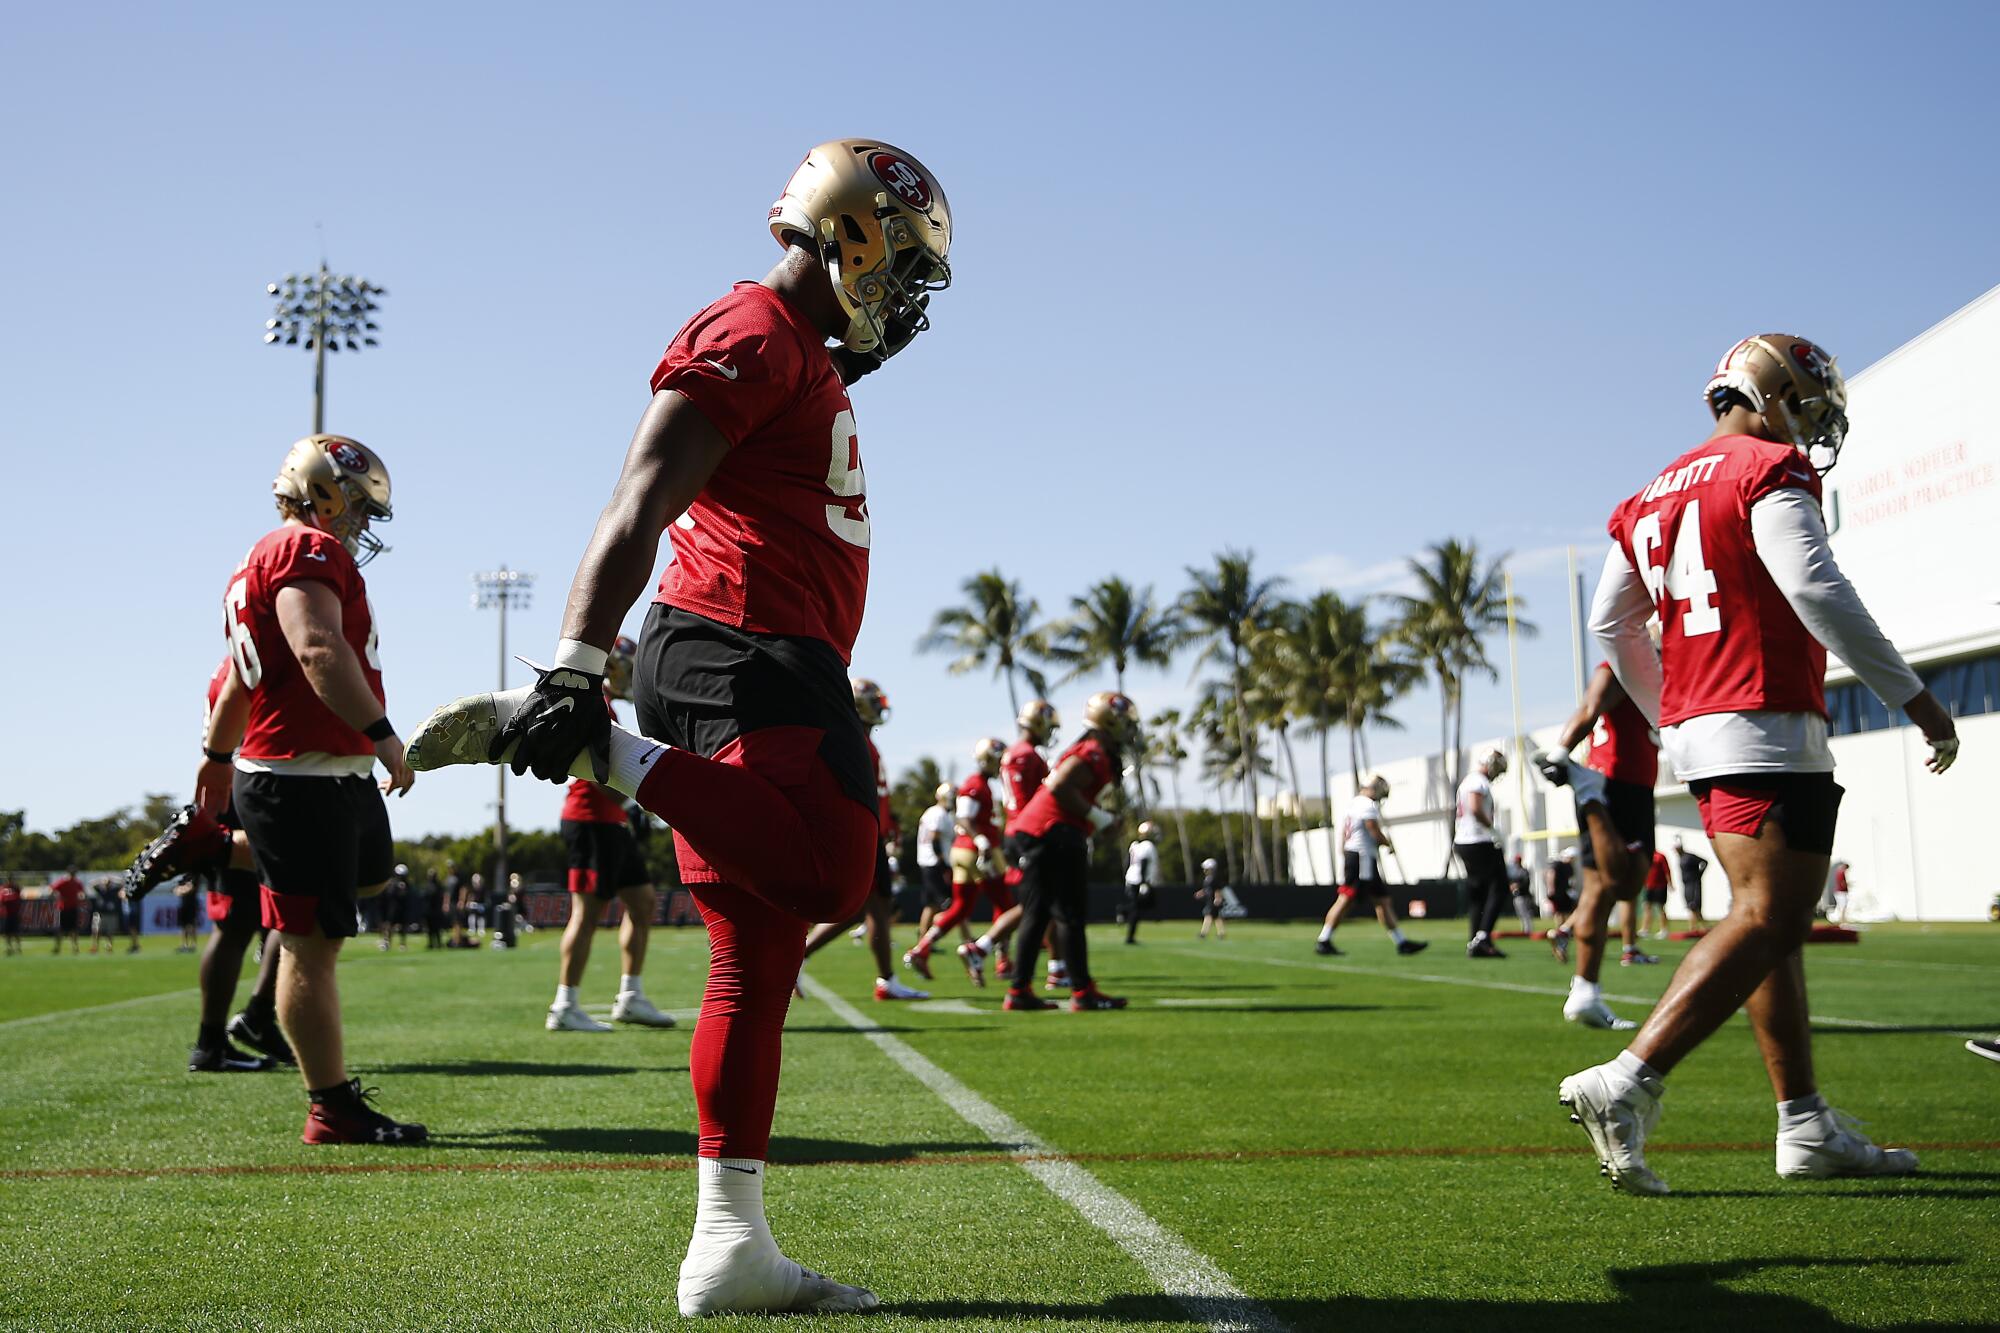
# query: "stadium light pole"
[[501, 588], [328, 311]]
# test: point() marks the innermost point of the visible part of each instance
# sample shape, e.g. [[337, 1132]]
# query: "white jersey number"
[[242, 648], [1685, 576], [844, 478]]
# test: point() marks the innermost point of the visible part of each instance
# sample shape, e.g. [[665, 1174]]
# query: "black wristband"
[[381, 729], [218, 756]]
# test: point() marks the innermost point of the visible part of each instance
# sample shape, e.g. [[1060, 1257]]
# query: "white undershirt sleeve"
[[1791, 541], [1618, 615]]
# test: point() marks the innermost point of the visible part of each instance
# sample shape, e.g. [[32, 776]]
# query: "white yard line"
[[1482, 984], [61, 1014], [1189, 1277]]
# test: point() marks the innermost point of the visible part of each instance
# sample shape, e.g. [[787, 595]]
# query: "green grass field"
[[1360, 1142]]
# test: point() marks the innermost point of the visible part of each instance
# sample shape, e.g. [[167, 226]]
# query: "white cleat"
[[571, 1018], [892, 988], [632, 1007], [1596, 1014], [1832, 1144], [1617, 1118], [461, 731], [764, 1281]]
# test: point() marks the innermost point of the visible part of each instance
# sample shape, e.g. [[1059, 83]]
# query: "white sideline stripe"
[[1190, 1278], [60, 1014], [1436, 979]]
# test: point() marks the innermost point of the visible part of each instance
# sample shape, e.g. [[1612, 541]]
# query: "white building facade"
[[1911, 507]]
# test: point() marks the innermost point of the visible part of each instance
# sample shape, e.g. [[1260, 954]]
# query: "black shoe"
[[266, 1038], [1483, 949], [191, 840], [346, 1116], [1413, 946], [226, 1059], [1326, 949]]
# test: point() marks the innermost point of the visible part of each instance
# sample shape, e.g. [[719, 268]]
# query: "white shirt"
[[1354, 827], [1791, 542], [1142, 863], [934, 834], [1465, 828]]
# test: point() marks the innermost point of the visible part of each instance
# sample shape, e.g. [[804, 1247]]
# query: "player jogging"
[[753, 753], [1055, 829], [605, 862], [1477, 845], [978, 865], [1614, 808], [1362, 841], [934, 835], [879, 911], [1727, 547]]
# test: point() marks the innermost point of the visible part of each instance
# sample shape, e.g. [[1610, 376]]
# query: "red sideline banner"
[[549, 909]]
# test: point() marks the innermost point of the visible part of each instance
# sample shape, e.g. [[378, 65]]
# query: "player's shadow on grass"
[[1953, 1029], [518, 1068], [1170, 984], [653, 1141], [1274, 1008], [1672, 1297]]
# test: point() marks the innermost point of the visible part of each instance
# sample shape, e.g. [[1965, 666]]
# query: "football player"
[[1478, 848], [753, 753], [934, 837], [978, 865], [1055, 829], [1362, 842], [1727, 547], [1023, 770], [298, 726], [878, 913], [605, 862], [1142, 872], [1614, 808], [10, 913]]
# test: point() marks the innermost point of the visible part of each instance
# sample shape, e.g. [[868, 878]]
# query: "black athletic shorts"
[[604, 859], [1630, 805], [187, 910], [316, 841], [1354, 884], [1657, 897], [885, 878], [937, 884], [1691, 895], [233, 901], [1483, 864], [66, 919], [699, 684]]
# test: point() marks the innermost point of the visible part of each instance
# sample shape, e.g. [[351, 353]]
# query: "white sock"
[[1325, 934], [731, 1252], [1800, 1111], [1585, 992], [1640, 1072], [985, 943], [565, 996], [632, 758], [630, 985], [1395, 933]]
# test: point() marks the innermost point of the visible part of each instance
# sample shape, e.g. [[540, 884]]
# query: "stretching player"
[[1362, 841], [748, 452], [878, 913], [1614, 808], [605, 862], [1727, 547], [1023, 770], [978, 865], [1055, 830], [1477, 845]]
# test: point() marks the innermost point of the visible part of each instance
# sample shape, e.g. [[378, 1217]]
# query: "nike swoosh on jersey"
[[728, 373], [316, 555]]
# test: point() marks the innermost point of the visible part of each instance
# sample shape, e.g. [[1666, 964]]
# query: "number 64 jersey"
[[290, 730]]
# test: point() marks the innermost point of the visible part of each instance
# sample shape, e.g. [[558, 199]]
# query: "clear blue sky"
[[1325, 281]]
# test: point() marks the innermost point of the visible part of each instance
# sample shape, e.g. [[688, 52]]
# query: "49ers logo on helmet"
[[903, 180], [1811, 359], [350, 458]]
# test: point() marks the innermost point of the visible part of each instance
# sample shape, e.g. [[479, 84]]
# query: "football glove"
[[1944, 754], [562, 716]]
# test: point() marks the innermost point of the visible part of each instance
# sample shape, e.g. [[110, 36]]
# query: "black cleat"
[[226, 1059], [1020, 998], [1483, 949], [266, 1038], [1325, 949], [346, 1116], [1413, 946], [191, 840]]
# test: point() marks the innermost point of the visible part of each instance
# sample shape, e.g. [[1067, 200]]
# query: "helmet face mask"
[[1796, 388], [339, 486], [880, 226], [988, 754], [870, 702], [618, 664], [1039, 720], [1116, 717]]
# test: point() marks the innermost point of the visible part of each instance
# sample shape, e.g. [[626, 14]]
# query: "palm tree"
[[1226, 762], [1444, 624], [1164, 749], [1221, 609], [1112, 625], [995, 626], [1300, 665]]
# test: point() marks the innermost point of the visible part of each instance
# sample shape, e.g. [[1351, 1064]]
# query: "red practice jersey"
[[1656, 873], [979, 791], [885, 813], [1729, 641], [587, 803], [1022, 773], [1621, 744], [68, 892], [10, 897], [777, 542], [287, 718], [1042, 813]]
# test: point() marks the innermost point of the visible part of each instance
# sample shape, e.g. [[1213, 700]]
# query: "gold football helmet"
[[878, 221], [944, 794], [988, 754], [1794, 385], [339, 486], [1149, 831], [1038, 718], [1115, 716], [870, 702], [618, 665]]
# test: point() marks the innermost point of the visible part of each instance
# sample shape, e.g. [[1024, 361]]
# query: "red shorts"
[[1805, 805]]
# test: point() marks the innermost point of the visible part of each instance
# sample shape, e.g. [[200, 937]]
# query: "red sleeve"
[[736, 364], [1779, 468], [306, 555]]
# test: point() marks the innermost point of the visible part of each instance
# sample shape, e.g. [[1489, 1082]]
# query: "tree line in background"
[[1278, 669]]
